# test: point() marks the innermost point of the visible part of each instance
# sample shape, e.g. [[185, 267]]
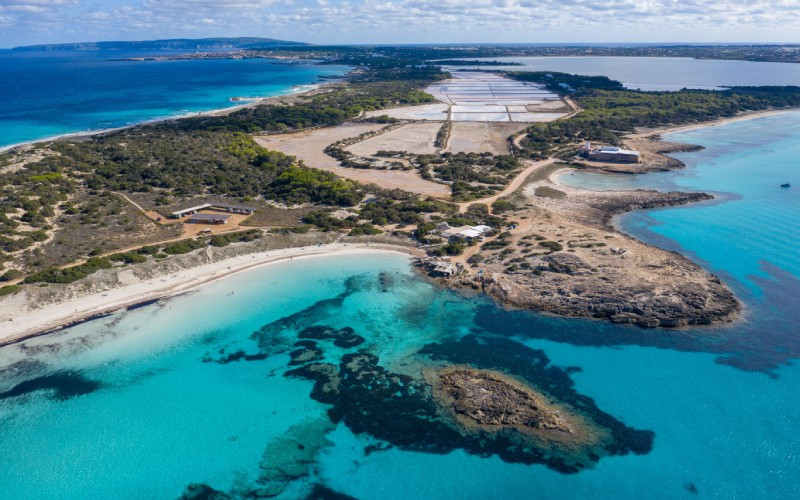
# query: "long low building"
[[225, 207], [613, 154], [208, 219]]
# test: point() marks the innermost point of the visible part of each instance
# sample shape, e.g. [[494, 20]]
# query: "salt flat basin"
[[482, 137], [483, 97], [435, 112], [309, 146], [468, 87], [413, 137]]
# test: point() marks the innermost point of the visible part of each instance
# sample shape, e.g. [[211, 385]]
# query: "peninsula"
[[400, 155]]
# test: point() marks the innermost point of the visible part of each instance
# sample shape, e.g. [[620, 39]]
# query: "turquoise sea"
[[212, 387], [46, 94]]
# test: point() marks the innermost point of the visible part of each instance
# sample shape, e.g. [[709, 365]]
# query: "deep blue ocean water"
[[46, 94]]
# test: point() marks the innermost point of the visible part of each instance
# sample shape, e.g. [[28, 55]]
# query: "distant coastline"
[[238, 102]]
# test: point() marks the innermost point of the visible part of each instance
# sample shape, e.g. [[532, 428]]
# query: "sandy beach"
[[21, 319], [747, 115]]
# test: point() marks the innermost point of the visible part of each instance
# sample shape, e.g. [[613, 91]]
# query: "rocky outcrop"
[[571, 261], [641, 199], [491, 401], [639, 303]]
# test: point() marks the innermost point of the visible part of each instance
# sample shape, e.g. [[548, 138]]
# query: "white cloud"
[[409, 21]]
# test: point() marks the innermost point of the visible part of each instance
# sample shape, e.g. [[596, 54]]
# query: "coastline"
[[83, 306], [136, 292], [294, 91], [747, 115]]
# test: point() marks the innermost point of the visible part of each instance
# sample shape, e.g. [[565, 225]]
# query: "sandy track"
[[512, 186]]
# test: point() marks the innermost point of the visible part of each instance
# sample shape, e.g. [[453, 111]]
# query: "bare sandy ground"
[[479, 137], [309, 146], [22, 316], [414, 137], [596, 271]]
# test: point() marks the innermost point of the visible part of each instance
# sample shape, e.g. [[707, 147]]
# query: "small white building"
[[611, 154], [466, 232]]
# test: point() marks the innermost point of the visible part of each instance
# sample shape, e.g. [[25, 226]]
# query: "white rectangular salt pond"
[[479, 117], [535, 117], [484, 97], [478, 109]]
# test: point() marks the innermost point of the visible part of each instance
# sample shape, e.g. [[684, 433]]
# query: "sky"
[[25, 22]]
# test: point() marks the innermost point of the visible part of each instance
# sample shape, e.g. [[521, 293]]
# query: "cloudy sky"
[[403, 21]]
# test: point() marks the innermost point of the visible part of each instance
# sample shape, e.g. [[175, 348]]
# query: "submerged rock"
[[345, 338], [291, 456], [322, 492], [307, 352], [199, 491], [482, 411], [61, 385]]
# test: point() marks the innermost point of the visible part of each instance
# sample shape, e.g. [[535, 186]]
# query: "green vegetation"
[[11, 275], [453, 248], [381, 119], [565, 83], [552, 246], [223, 240], [333, 107], [364, 229], [57, 208], [398, 207], [611, 111], [443, 134], [501, 206], [128, 257], [70, 274], [471, 175], [476, 62], [9, 289]]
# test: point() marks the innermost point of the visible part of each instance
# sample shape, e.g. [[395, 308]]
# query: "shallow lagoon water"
[[662, 73], [723, 402]]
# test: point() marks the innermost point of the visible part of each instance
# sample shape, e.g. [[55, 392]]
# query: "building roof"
[[232, 207], [210, 217], [191, 209], [615, 151], [213, 205]]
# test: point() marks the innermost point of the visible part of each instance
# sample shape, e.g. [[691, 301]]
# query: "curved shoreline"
[[293, 91], [85, 307], [53, 317]]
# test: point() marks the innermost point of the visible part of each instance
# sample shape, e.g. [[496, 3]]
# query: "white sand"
[[20, 319]]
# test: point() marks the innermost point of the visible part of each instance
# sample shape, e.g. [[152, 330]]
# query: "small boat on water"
[[786, 185]]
